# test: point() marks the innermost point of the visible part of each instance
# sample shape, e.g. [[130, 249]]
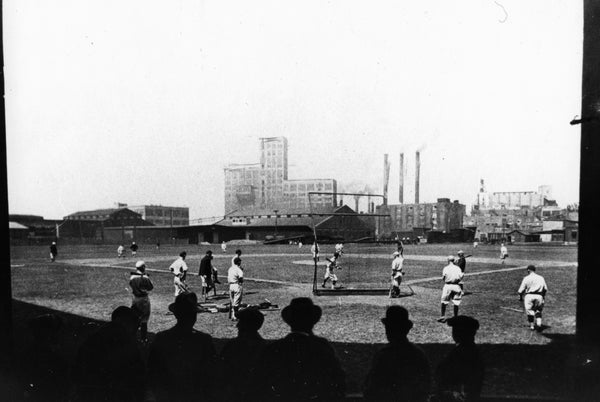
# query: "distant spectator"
[[44, 372], [182, 360], [224, 246], [120, 251], [240, 357], [400, 371], [109, 365], [301, 366], [53, 251], [179, 270], [459, 377], [140, 286], [134, 248]]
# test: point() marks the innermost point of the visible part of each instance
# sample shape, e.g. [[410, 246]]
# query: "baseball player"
[[397, 263], [120, 251], [532, 293], [330, 271], [224, 246], [339, 248], [503, 252], [206, 274], [53, 251], [451, 275], [140, 286], [133, 248], [179, 269], [314, 249], [235, 278]]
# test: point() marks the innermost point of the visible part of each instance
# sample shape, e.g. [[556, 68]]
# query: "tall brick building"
[[265, 185]]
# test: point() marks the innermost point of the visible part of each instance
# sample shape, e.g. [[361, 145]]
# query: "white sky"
[[145, 102]]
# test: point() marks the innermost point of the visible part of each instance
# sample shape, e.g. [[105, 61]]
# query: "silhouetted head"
[[183, 254], [464, 328], [396, 322], [237, 261], [250, 320], [301, 314], [127, 318], [185, 308]]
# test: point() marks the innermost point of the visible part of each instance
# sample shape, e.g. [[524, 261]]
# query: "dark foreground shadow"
[[556, 371]]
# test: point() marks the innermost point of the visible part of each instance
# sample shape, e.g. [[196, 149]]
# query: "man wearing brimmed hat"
[[400, 370], [451, 275], [182, 360], [460, 374], [533, 292], [397, 263], [140, 286], [301, 366]]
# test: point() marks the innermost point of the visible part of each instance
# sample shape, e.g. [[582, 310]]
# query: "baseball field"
[[90, 281]]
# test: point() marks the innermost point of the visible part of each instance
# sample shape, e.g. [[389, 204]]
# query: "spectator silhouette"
[[109, 365], [459, 377], [182, 360], [301, 366], [45, 372], [400, 371], [240, 357]]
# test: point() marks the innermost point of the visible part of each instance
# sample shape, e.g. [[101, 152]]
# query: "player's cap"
[[464, 322], [460, 252], [140, 264], [395, 253], [301, 313], [450, 258]]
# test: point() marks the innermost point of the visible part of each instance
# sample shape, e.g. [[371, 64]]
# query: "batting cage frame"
[[371, 291]]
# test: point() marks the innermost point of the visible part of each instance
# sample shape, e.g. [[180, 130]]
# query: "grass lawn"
[[90, 281]]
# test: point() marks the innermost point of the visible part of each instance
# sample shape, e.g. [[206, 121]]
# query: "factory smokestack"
[[401, 192], [386, 178], [417, 173]]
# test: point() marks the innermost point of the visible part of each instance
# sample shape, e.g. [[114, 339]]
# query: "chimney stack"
[[417, 173], [401, 193], [386, 178]]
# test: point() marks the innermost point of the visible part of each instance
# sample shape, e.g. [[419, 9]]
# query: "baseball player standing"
[[533, 292], [206, 274], [330, 271], [503, 252], [397, 263], [179, 269], [53, 251], [133, 248], [120, 251], [140, 286], [235, 278], [314, 249], [451, 275]]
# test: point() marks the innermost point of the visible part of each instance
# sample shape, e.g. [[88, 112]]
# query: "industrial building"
[[265, 185], [160, 215]]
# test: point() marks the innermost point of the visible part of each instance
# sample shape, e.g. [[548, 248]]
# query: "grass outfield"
[[90, 281]]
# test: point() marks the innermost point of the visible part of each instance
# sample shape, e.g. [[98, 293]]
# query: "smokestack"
[[386, 178], [356, 198], [417, 173], [401, 193]]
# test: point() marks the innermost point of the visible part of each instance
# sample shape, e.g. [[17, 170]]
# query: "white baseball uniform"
[[534, 287], [452, 275]]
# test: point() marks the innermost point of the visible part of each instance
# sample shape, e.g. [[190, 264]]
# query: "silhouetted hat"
[[250, 319], [184, 303], [464, 322], [397, 316], [124, 313], [301, 311]]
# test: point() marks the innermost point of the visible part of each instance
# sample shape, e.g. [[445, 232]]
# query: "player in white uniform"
[[179, 269], [339, 248], [314, 249], [503, 252], [533, 292], [235, 278], [397, 263], [330, 271], [452, 275], [120, 251]]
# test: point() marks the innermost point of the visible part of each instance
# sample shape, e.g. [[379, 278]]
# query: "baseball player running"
[[179, 269], [532, 293], [452, 275], [397, 263], [330, 271]]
